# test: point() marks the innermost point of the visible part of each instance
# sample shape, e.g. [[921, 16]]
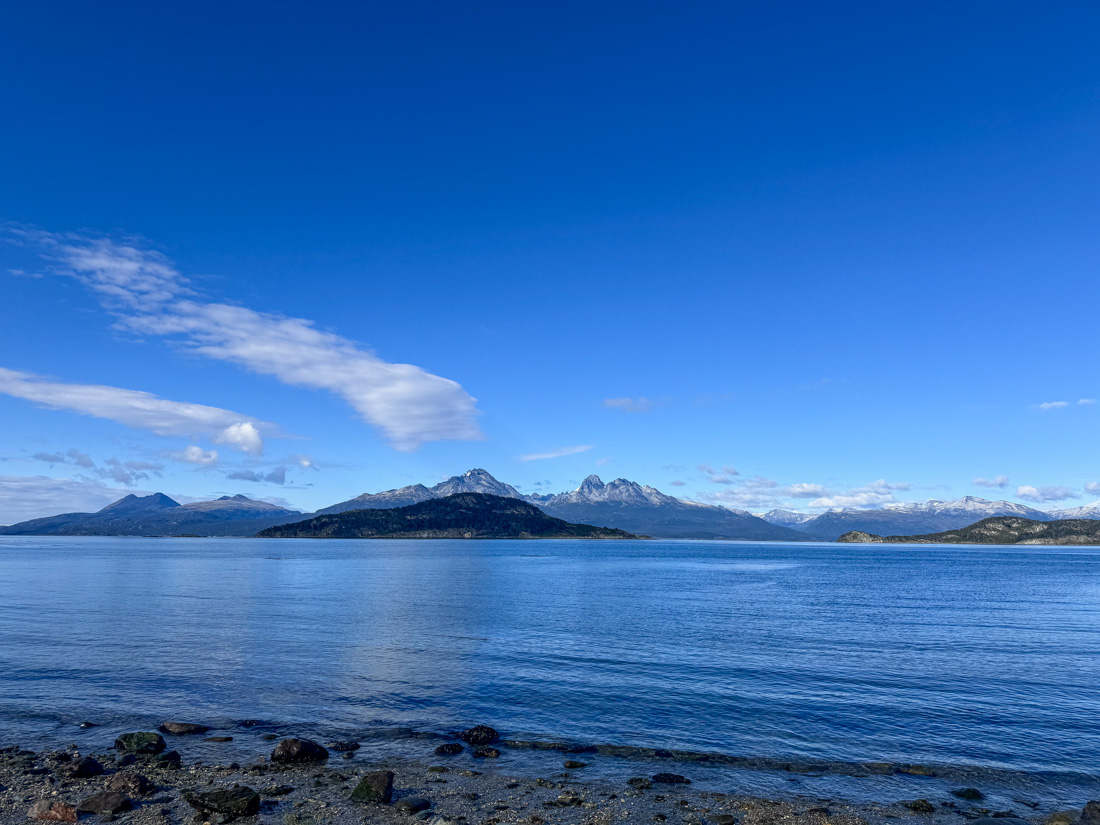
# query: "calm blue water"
[[984, 660]]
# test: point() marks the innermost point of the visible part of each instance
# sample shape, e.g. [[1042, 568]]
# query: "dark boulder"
[[920, 806], [233, 802], [131, 783], [218, 739], [448, 749], [182, 728], [671, 779], [106, 803], [485, 753], [972, 794], [639, 783], [298, 750], [83, 768], [374, 787], [168, 759], [413, 804], [1091, 813], [573, 764], [141, 743], [479, 735]]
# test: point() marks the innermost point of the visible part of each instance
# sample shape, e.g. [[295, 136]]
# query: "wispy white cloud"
[[1052, 405], [1086, 402], [677, 483], [276, 476], [1044, 494], [630, 405], [196, 455], [558, 453], [140, 410], [999, 482], [805, 490], [409, 405], [869, 496], [1093, 488]]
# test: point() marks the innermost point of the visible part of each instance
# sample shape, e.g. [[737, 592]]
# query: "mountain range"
[[620, 504], [916, 518], [159, 515]]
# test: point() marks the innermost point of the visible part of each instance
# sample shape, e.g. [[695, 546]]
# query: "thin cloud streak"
[[558, 453], [140, 410]]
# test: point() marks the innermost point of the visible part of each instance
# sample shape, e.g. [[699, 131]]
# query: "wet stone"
[[573, 764], [106, 802], [218, 739], [448, 749], [485, 753], [83, 768], [920, 806], [671, 779], [376, 787], [232, 802], [141, 743], [480, 735], [972, 794], [298, 750], [183, 728], [131, 783], [413, 804]]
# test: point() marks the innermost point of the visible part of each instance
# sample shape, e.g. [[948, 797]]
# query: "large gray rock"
[[1091, 814], [413, 804], [106, 803], [298, 750], [183, 728], [141, 743], [232, 802], [374, 787]]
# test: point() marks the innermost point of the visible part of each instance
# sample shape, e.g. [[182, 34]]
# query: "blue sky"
[[759, 254]]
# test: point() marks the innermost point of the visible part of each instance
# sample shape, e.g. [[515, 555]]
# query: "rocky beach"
[[144, 780]]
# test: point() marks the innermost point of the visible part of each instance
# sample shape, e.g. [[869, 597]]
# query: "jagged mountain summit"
[[908, 519], [159, 515], [471, 481], [645, 510]]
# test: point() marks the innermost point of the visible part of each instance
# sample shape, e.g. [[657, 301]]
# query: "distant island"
[[458, 516], [996, 530]]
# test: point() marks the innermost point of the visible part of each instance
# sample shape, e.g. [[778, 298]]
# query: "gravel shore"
[[143, 783]]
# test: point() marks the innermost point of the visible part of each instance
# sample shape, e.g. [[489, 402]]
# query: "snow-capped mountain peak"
[[475, 481]]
